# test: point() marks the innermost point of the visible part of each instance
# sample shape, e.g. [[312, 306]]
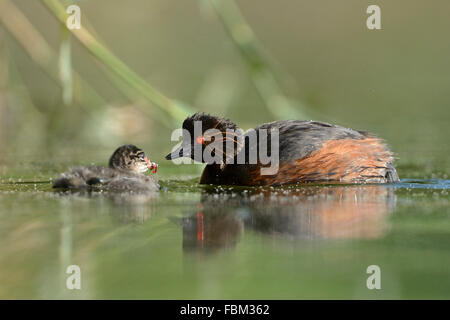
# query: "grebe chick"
[[125, 173]]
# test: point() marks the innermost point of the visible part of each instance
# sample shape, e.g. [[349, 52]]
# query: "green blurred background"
[[393, 82], [281, 59]]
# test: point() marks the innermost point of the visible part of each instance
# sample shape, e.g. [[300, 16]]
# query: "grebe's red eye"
[[200, 140]]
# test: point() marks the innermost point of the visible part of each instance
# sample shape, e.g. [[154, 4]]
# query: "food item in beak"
[[151, 165]]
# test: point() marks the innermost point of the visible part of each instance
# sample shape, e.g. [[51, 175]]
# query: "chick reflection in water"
[[311, 212]]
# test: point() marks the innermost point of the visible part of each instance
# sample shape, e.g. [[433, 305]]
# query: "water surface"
[[198, 242]]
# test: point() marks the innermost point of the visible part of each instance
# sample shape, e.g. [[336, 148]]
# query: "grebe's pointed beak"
[[178, 153], [169, 157]]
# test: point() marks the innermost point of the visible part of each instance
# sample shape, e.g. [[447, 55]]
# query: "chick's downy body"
[[125, 173]]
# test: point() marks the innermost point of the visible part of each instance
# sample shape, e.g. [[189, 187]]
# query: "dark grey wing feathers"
[[299, 138]]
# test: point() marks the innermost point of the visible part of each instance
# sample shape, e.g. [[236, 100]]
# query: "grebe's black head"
[[131, 158], [203, 131], [208, 122]]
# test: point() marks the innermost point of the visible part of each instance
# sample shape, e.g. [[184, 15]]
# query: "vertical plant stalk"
[[261, 72], [175, 110], [65, 66], [3, 99], [3, 65], [40, 52]]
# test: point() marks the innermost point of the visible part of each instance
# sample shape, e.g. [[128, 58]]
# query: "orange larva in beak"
[[151, 165]]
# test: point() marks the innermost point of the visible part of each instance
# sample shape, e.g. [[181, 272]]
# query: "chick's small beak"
[[151, 165]]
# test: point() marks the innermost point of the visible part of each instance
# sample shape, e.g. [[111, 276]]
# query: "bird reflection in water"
[[123, 207], [308, 212]]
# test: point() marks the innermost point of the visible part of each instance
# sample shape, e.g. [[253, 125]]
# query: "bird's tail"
[[391, 174]]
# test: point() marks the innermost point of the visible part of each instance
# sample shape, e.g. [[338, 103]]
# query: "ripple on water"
[[440, 184]]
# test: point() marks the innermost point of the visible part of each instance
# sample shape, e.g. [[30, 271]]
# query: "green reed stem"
[[65, 66], [40, 52], [175, 110], [260, 68]]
